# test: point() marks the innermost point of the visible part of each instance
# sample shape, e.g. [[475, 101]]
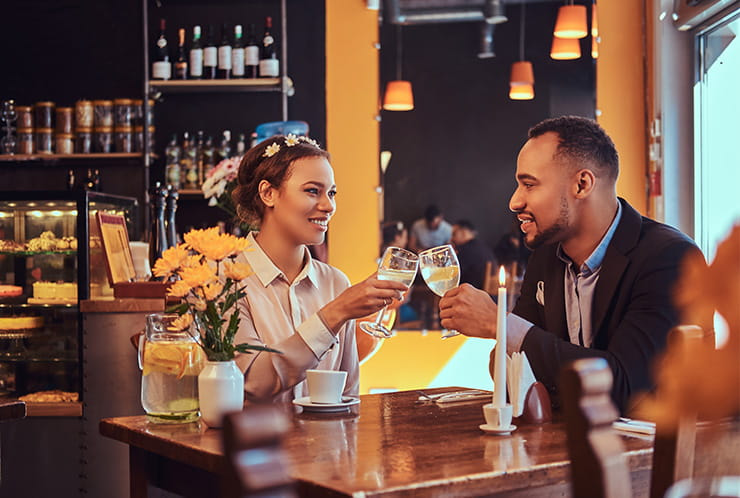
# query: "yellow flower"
[[214, 245], [198, 276], [211, 291], [179, 289], [181, 323], [237, 271], [172, 259]]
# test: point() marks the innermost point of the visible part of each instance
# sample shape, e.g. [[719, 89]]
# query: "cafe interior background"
[[661, 76]]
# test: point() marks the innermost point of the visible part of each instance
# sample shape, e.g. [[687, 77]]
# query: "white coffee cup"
[[498, 417], [325, 386]]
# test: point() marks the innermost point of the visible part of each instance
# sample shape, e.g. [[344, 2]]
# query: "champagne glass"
[[399, 265], [441, 272]]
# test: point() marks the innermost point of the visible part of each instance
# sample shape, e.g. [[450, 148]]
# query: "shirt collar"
[[593, 262], [266, 270]]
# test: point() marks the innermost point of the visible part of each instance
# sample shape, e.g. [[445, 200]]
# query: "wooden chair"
[[597, 462], [256, 462]]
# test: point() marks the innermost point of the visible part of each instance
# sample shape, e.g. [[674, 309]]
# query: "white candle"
[[499, 372]]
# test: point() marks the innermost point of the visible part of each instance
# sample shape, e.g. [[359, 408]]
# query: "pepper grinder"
[[158, 233], [170, 212]]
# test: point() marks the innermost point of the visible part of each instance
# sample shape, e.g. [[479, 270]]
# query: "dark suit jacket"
[[473, 256], [632, 307]]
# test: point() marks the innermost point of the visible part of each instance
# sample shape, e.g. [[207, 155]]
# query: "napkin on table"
[[519, 378]]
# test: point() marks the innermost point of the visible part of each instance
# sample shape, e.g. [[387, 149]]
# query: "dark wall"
[[458, 147], [66, 50]]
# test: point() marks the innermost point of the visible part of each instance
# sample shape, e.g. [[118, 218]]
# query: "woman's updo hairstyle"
[[269, 160]]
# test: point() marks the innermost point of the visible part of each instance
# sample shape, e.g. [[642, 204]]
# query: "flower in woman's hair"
[[211, 291], [179, 289], [237, 271], [172, 259], [181, 323], [291, 140], [310, 141], [198, 276], [271, 149]]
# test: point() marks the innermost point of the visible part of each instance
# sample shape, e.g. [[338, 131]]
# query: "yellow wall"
[[620, 93], [353, 134]]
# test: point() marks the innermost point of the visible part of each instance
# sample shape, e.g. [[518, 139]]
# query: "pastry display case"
[[50, 259]]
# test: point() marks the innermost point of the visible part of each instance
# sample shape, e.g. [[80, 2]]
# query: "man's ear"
[[267, 193], [585, 182]]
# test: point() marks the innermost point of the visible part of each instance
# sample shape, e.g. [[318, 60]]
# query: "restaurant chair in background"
[[256, 462], [597, 462]]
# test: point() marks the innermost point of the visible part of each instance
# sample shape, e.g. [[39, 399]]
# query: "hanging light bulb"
[[521, 81], [399, 95], [565, 48], [571, 22], [521, 92]]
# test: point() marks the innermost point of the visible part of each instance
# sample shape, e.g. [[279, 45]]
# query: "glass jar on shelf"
[[139, 138], [64, 143], [65, 120], [124, 139], [123, 112], [103, 139], [84, 141], [44, 141], [25, 117], [103, 112], [25, 141], [44, 114]]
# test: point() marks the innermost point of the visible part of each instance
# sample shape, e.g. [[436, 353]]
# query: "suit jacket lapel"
[[555, 298]]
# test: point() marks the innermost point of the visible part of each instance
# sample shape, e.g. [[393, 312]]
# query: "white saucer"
[[500, 431], [305, 403]]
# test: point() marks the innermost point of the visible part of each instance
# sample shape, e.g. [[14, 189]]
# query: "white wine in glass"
[[441, 272], [399, 265]]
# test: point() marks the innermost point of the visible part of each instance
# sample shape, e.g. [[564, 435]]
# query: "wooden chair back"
[[490, 279], [256, 462], [598, 465]]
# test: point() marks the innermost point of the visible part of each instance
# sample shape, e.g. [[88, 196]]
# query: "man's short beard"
[[553, 233]]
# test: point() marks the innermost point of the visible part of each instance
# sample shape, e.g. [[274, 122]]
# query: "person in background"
[[472, 253], [294, 303], [511, 250], [430, 231], [394, 234], [600, 280]]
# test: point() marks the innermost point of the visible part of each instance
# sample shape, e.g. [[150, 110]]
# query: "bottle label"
[[224, 57], [269, 68], [268, 40], [237, 62], [196, 62], [181, 70], [210, 56], [252, 55], [161, 70], [161, 42]]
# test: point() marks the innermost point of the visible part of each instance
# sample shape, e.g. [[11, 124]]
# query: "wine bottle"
[[224, 55], [224, 148], [188, 165], [241, 144], [173, 155], [200, 141], [210, 56], [181, 64], [269, 65], [170, 215], [209, 157], [196, 55], [237, 53], [251, 54], [161, 67], [71, 179]]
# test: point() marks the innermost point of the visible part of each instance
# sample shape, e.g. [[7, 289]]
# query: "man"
[[599, 282], [430, 231], [472, 253]]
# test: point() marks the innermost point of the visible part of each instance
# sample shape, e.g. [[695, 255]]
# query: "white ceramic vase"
[[220, 391]]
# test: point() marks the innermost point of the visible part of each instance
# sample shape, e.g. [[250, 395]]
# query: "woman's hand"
[[362, 299]]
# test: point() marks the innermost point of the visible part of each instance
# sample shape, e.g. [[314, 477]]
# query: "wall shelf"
[[69, 159], [222, 86]]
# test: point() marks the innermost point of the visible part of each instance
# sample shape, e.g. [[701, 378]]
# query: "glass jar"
[[103, 139], [25, 141], [170, 362], [44, 114], [124, 139], [64, 143], [84, 114], [64, 120], [139, 138], [123, 112], [84, 141], [25, 117], [44, 139], [103, 111]]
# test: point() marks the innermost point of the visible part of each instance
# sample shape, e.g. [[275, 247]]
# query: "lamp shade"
[[398, 96], [594, 21], [571, 22], [521, 74], [521, 92], [594, 48], [565, 48]]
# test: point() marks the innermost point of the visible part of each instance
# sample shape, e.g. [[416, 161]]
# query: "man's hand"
[[470, 311]]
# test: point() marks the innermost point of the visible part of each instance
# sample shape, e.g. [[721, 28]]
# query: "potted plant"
[[207, 278]]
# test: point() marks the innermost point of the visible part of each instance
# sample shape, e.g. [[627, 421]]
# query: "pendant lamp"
[[399, 95], [571, 22], [565, 48], [594, 48], [594, 21], [521, 81]]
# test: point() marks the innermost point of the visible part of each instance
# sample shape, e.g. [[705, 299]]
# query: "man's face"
[[434, 224], [459, 235], [541, 199]]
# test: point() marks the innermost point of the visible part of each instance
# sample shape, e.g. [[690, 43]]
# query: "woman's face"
[[304, 204]]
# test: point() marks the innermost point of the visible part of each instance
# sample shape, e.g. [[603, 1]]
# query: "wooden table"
[[389, 445]]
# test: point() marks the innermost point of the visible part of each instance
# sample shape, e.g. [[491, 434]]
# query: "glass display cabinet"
[[50, 259]]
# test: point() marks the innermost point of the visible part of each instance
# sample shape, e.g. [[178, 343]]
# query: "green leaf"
[[180, 309], [247, 348], [232, 328]]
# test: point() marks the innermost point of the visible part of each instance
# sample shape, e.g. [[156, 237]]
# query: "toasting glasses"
[[399, 265], [441, 272]]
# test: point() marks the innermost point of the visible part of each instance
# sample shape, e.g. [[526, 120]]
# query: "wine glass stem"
[[380, 316]]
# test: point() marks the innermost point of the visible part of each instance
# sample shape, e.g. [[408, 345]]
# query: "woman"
[[295, 304]]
